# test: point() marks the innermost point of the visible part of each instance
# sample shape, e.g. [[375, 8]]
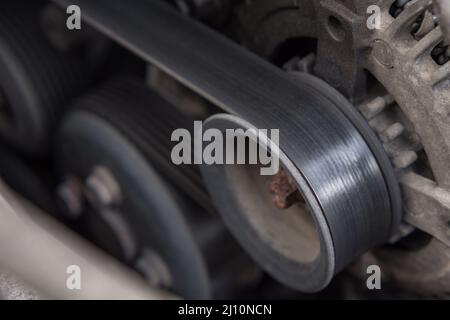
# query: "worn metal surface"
[[421, 87], [12, 288], [427, 206], [443, 7]]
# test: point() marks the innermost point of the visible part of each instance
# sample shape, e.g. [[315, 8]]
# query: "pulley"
[[36, 80], [114, 150]]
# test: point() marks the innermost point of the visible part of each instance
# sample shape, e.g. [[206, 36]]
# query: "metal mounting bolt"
[[70, 192], [154, 269], [382, 52], [102, 188]]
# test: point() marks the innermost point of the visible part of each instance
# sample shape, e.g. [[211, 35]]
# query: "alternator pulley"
[[345, 207]]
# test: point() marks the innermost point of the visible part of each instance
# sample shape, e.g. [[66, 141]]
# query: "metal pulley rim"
[[321, 271]]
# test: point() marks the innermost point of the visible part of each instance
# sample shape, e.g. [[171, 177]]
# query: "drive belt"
[[343, 172]]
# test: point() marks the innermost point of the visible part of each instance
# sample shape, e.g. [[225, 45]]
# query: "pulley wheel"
[[119, 129]]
